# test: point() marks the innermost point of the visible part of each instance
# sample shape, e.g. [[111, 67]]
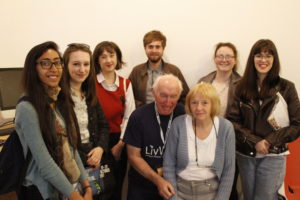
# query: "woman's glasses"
[[221, 57], [47, 64], [261, 57]]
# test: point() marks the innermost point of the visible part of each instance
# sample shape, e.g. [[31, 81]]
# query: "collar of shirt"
[[158, 70], [113, 87]]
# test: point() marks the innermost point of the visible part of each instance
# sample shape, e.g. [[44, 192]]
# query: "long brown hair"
[[35, 91], [88, 85], [247, 88]]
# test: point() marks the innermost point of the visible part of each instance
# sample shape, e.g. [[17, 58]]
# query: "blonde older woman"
[[199, 160]]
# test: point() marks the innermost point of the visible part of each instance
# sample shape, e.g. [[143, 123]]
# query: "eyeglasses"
[[47, 64], [261, 57], [225, 57]]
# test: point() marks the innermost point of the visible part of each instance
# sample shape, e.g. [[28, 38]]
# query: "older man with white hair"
[[145, 137]]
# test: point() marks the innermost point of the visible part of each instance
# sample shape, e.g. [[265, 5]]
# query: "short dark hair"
[[154, 36], [111, 47]]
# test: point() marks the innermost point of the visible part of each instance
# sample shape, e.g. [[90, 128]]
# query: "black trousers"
[[120, 167], [136, 192], [234, 193], [30, 192]]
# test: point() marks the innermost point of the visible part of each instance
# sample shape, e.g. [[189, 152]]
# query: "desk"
[[5, 131], [4, 134], [7, 128], [4, 137]]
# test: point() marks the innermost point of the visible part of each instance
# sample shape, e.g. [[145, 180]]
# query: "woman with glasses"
[[225, 77], [266, 117], [80, 80], [47, 126], [116, 98], [199, 159]]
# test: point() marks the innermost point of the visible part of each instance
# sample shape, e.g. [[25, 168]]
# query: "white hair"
[[167, 77]]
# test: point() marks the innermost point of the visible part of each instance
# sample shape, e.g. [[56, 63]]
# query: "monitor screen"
[[10, 87]]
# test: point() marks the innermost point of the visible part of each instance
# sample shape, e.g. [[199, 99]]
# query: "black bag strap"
[[23, 171], [27, 159]]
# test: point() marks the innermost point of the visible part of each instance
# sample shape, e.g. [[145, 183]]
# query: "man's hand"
[[117, 150], [165, 188]]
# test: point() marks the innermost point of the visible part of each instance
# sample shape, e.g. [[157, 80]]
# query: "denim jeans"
[[261, 177]]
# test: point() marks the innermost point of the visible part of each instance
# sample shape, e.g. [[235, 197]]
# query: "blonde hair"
[[205, 90]]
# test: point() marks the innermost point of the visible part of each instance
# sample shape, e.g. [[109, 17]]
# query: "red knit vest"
[[113, 104]]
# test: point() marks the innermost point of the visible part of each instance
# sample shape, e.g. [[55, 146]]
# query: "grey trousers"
[[197, 190]]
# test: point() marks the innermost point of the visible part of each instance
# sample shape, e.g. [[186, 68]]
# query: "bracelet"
[[85, 187]]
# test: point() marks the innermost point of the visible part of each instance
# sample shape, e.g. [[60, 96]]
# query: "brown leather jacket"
[[139, 79], [234, 77], [251, 125]]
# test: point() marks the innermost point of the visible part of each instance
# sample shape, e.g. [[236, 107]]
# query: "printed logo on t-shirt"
[[154, 152]]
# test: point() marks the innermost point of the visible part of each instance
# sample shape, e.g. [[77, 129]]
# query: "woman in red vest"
[[116, 98]]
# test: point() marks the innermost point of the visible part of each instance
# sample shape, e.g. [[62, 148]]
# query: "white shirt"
[[80, 110], [206, 150], [129, 98], [222, 90]]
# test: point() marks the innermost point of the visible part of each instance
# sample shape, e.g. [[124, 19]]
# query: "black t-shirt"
[[143, 131]]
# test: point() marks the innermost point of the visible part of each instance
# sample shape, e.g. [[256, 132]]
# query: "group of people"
[[180, 143]]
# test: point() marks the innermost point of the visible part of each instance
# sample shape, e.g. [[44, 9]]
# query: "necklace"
[[221, 87], [196, 146]]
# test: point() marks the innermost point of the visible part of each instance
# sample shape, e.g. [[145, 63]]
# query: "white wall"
[[192, 28]]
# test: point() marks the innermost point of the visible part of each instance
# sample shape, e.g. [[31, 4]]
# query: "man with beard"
[[143, 76]]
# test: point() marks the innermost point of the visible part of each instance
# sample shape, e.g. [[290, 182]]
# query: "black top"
[[143, 131], [98, 129]]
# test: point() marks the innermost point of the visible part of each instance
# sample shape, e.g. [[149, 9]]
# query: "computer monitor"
[[10, 87]]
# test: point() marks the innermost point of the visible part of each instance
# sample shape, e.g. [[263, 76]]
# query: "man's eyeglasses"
[[261, 57], [47, 64], [225, 57]]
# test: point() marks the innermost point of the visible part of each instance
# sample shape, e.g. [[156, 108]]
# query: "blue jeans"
[[261, 177]]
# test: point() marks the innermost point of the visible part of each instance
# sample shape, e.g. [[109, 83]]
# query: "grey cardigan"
[[42, 171], [176, 155]]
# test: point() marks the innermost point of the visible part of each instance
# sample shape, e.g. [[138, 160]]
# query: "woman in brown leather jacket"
[[225, 77], [266, 116]]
